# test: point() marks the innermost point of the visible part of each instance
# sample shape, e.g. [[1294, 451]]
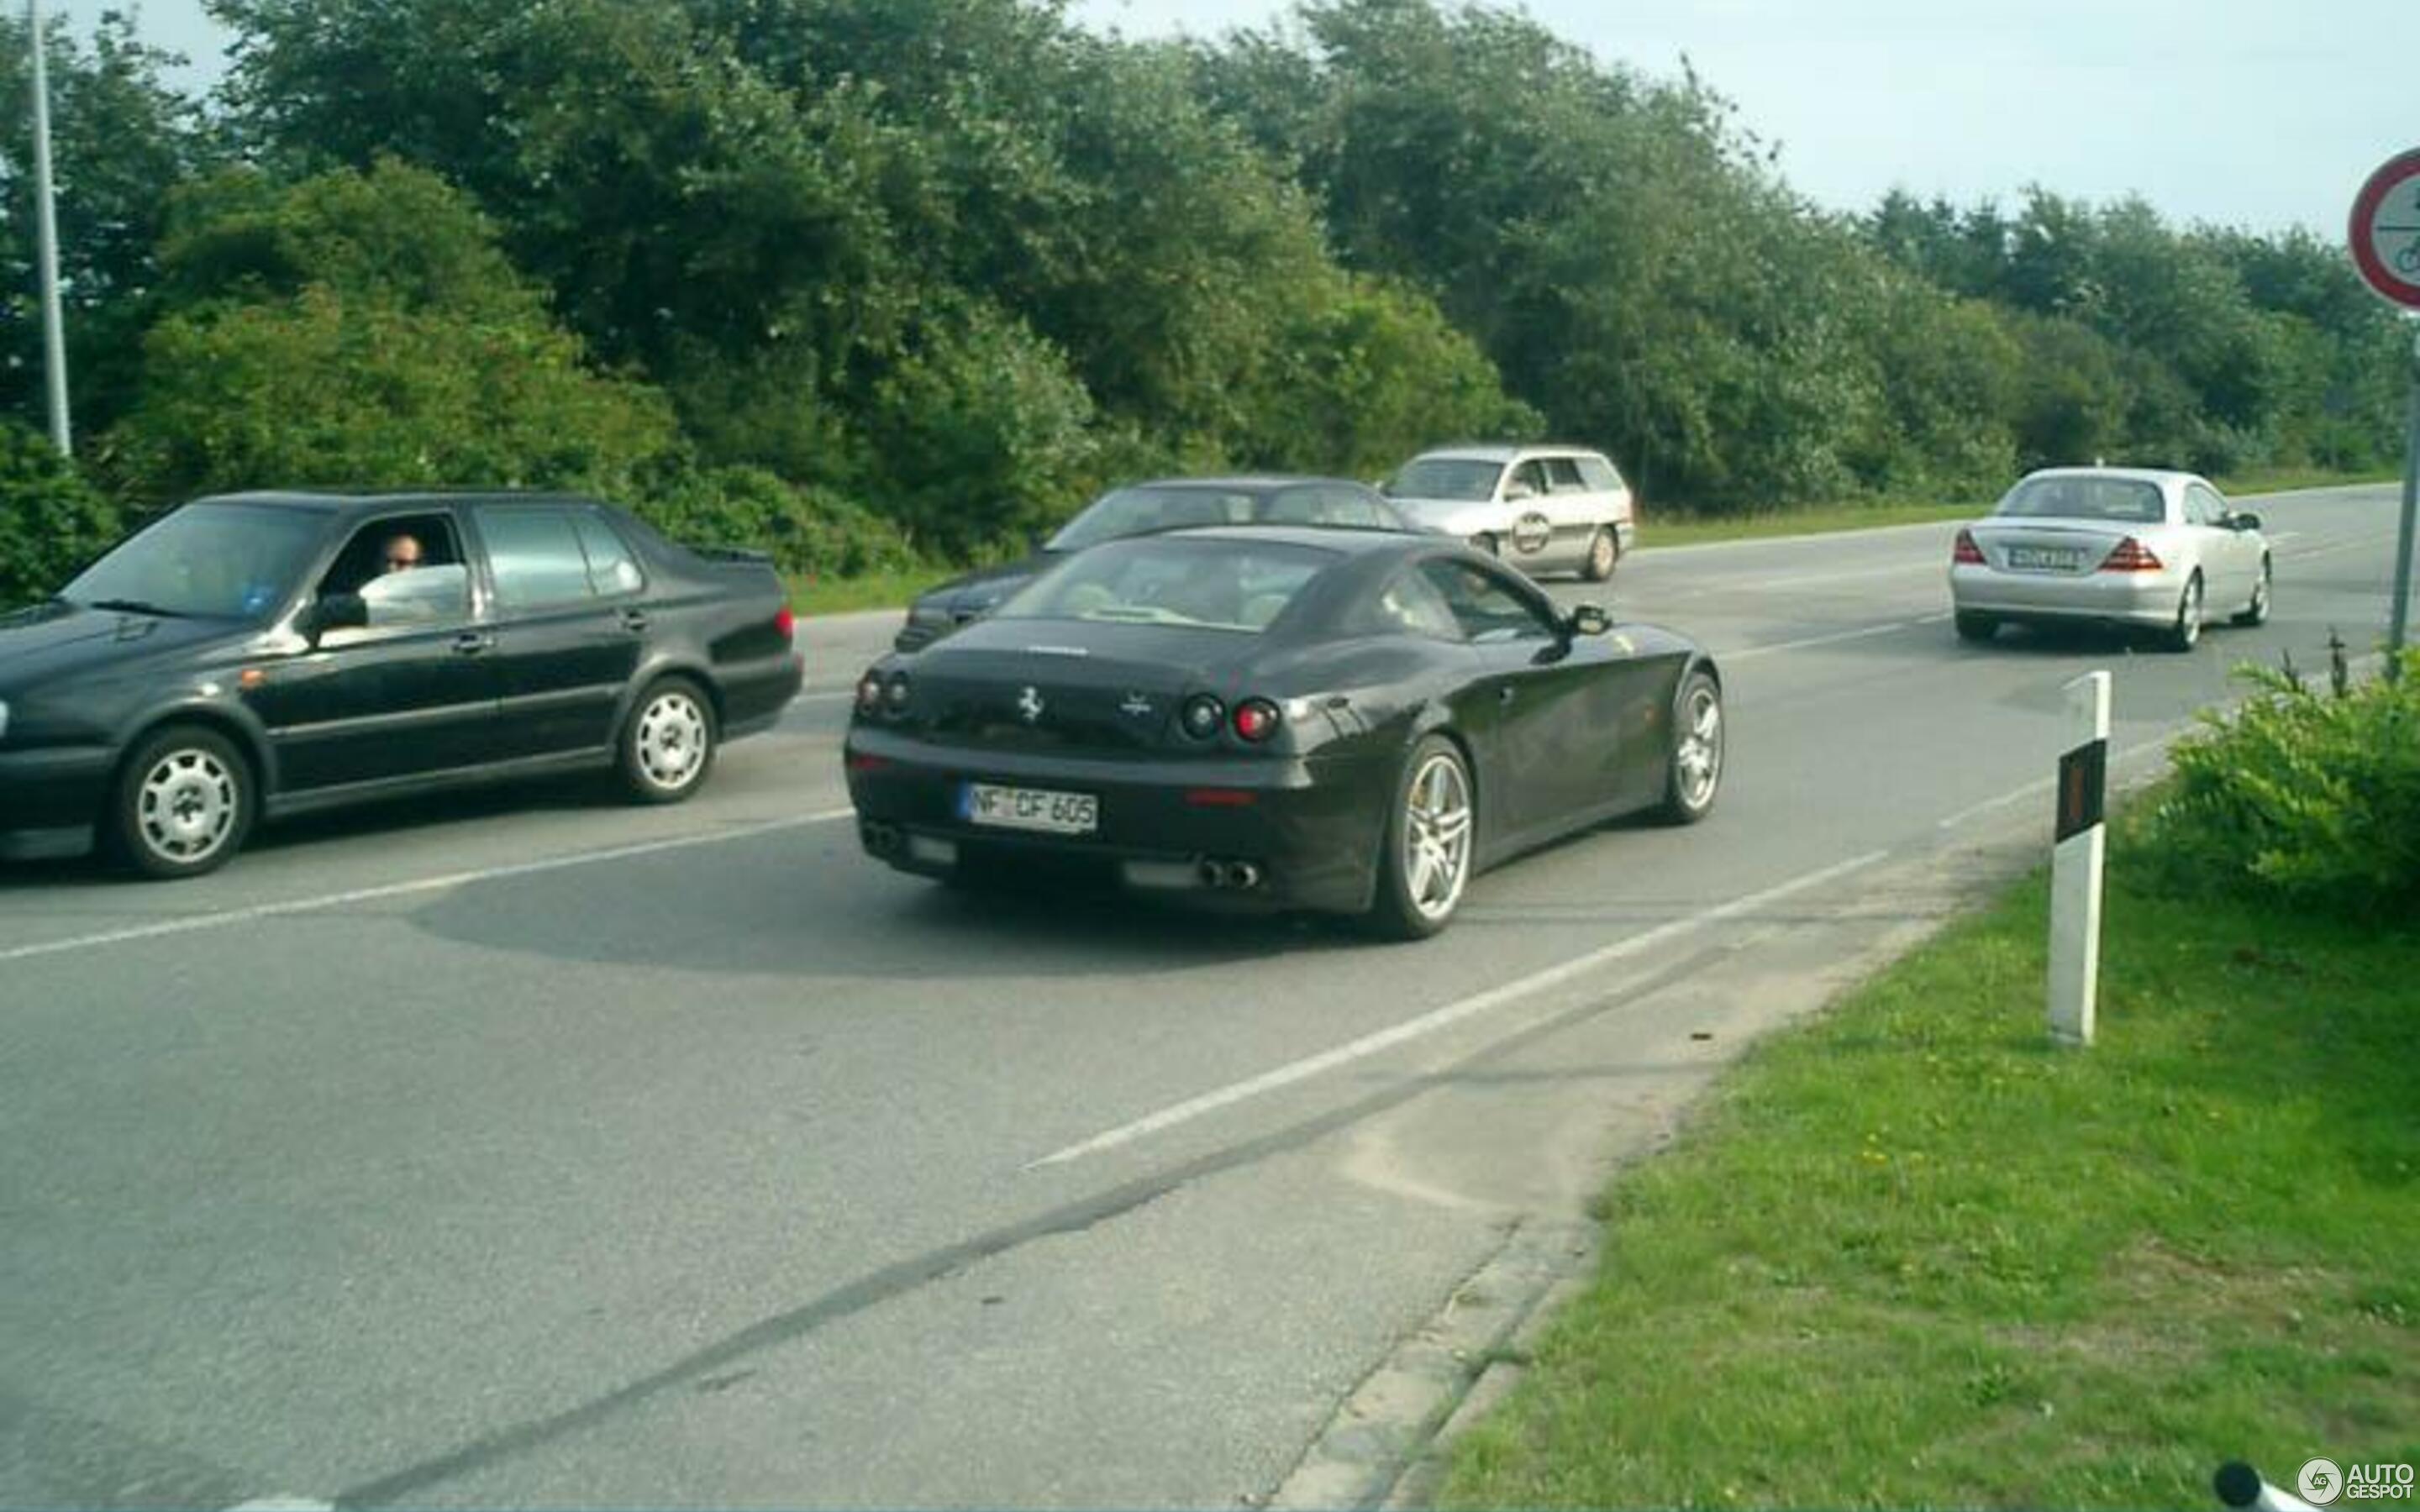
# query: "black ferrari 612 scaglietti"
[[1343, 721], [265, 654]]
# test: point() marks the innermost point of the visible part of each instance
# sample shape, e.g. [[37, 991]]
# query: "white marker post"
[[2075, 865]]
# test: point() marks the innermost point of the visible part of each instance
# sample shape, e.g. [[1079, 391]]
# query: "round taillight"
[[1256, 720], [786, 623], [895, 695], [1202, 716], [869, 692]]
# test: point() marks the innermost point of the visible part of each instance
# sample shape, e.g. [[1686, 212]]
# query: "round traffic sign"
[[2385, 230]]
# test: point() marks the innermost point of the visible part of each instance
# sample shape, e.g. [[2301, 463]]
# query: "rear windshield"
[[1238, 586], [2121, 501], [1446, 477]]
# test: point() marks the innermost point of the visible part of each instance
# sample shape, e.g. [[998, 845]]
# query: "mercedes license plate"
[[2057, 558], [1038, 808]]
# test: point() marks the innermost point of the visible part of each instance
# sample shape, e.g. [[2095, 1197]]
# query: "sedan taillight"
[[1966, 553], [2130, 555], [785, 624]]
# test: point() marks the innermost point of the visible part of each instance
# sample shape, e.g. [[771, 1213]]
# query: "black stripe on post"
[[2082, 774]]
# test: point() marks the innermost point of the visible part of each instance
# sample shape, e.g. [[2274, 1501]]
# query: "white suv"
[[1541, 508]]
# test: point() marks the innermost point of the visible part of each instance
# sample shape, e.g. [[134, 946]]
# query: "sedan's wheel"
[[1426, 862], [1695, 774], [1603, 553], [2187, 628], [668, 744], [1972, 627], [2256, 613], [183, 804]]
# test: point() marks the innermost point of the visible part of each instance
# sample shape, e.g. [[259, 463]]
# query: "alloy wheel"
[[1436, 835]]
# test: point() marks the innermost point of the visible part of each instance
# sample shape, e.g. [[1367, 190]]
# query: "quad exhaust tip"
[[880, 839]]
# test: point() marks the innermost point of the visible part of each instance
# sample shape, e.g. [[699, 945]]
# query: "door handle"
[[472, 642], [1507, 693], [634, 619]]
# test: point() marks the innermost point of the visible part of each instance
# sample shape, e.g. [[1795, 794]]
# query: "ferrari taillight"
[[1966, 553], [2130, 555], [1256, 720]]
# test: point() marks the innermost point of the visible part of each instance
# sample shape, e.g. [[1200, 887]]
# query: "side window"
[[1563, 475], [1527, 481], [1601, 475], [612, 570], [2203, 505], [536, 557], [1487, 611], [409, 571], [1411, 603]]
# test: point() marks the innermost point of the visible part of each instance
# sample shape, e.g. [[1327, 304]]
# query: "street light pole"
[[54, 349]]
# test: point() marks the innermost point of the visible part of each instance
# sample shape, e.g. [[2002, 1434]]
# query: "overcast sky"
[[2259, 114]]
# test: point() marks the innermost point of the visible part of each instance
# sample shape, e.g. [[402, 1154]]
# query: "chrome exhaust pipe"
[[1243, 874], [880, 839], [1212, 872]]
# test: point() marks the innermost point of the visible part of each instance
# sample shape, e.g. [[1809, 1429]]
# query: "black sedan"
[[1142, 509], [1341, 721], [262, 655]]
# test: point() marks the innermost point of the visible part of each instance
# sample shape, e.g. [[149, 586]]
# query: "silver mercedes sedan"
[[2124, 547]]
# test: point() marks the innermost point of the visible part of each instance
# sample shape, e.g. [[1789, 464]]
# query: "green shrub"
[[809, 531], [2304, 796], [52, 522]]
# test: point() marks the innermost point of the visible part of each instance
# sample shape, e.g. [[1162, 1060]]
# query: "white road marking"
[[400, 889], [1753, 652], [1370, 1045], [283, 1503]]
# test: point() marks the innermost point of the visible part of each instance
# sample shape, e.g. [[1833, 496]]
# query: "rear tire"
[[1694, 773], [183, 804], [669, 741], [1976, 626], [2256, 613], [2186, 631], [1428, 845], [1604, 554]]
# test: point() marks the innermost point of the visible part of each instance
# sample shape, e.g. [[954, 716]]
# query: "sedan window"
[[2118, 501], [1140, 511], [536, 557], [1563, 475]]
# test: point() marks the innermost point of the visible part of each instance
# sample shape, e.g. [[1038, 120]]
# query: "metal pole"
[[2400, 614], [54, 349]]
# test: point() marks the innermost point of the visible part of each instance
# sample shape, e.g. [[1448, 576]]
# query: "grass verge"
[[1911, 1256]]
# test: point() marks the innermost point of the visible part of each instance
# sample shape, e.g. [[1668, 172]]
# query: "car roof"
[[1244, 480], [1505, 452], [371, 502], [1349, 540], [2162, 476]]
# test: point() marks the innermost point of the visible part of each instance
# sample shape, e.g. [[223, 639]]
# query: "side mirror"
[[1520, 491], [1587, 618], [333, 611], [2243, 520]]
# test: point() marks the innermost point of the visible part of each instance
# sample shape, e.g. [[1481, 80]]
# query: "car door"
[[1571, 508], [568, 623], [2231, 557], [407, 691], [1528, 538], [1544, 761]]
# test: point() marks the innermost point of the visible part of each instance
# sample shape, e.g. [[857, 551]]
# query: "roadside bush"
[[809, 531], [52, 522], [2304, 796]]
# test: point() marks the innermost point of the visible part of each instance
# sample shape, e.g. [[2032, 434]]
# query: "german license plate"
[[2058, 558], [1036, 808]]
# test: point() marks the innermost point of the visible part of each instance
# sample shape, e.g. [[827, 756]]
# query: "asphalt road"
[[536, 1151]]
